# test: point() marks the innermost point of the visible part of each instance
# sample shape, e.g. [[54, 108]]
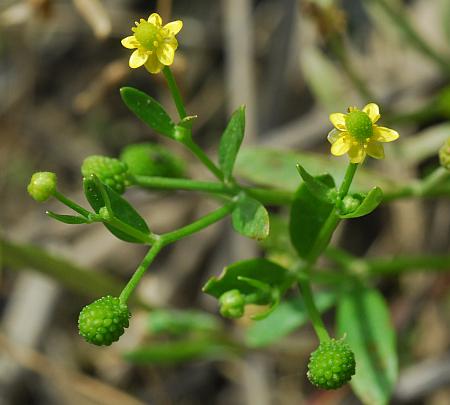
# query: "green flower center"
[[359, 125], [148, 35]]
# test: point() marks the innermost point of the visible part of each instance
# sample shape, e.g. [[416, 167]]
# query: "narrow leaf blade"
[[370, 202], [148, 110], [308, 214], [315, 186], [250, 218], [67, 219], [120, 207], [363, 316], [231, 142]]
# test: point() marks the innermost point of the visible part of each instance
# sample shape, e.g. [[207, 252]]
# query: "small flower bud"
[[103, 321], [444, 154], [331, 365], [110, 171], [232, 304], [349, 204], [42, 186]]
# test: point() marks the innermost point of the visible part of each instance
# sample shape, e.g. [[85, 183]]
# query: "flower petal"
[[174, 27], [338, 120], [153, 65], [373, 111], [383, 134], [165, 54], [356, 153], [130, 42], [334, 134], [375, 150], [155, 19], [341, 145], [138, 58]]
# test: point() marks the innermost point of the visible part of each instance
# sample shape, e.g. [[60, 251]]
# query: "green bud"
[[232, 304], [148, 159], [331, 365], [42, 186], [444, 154], [349, 204], [104, 321], [110, 171]]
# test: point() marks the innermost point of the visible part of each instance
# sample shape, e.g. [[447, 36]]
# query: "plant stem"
[[72, 204], [203, 157], [134, 280], [400, 21], [313, 312], [348, 178], [175, 92], [198, 225], [401, 264]]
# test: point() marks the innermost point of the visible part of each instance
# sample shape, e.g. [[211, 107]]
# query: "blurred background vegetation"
[[292, 63]]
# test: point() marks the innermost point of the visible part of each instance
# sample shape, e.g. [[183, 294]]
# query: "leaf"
[[68, 219], [363, 316], [231, 142], [250, 218], [317, 187], [277, 169], [179, 351], [177, 322], [369, 203], [120, 207], [287, 317], [308, 214], [258, 269], [148, 110]]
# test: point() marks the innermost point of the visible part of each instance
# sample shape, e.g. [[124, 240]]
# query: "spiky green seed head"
[[42, 186], [232, 304], [444, 154], [359, 125], [331, 365], [104, 321], [148, 159], [110, 171]]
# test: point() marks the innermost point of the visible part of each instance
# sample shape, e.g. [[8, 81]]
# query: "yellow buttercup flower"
[[154, 44], [357, 134]]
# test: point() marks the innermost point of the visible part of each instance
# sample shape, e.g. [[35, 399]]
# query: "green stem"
[[313, 312], [400, 20], [265, 196], [431, 182], [203, 157], [348, 178], [176, 95], [134, 280], [72, 204], [198, 225], [401, 264]]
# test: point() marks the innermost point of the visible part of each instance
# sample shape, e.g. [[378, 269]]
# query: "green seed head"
[[42, 186], [110, 171], [147, 159], [444, 154], [331, 365], [349, 204], [147, 34], [104, 321], [232, 304], [359, 125]]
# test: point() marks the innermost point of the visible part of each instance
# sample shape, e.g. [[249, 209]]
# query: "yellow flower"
[[357, 134], [155, 44]]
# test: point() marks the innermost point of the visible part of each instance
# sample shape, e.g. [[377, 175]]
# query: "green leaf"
[[231, 142], [148, 110], [177, 322], [250, 218], [180, 351], [277, 169], [120, 207], [287, 317], [258, 269], [368, 204], [67, 219], [363, 316], [308, 214], [317, 187]]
